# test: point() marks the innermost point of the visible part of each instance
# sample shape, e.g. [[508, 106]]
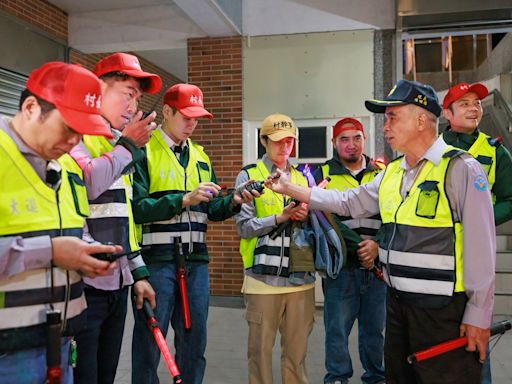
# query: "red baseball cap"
[[75, 92], [129, 64], [187, 99], [459, 90], [347, 124]]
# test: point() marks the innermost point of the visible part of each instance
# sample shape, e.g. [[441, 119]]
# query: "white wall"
[[316, 79], [318, 75]]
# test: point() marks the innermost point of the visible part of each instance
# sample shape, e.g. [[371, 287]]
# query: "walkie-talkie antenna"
[[146, 114]]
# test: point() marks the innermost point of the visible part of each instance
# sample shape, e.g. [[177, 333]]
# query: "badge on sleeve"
[[481, 183]]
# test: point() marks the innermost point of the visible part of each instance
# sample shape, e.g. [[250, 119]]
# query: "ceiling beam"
[[210, 16], [132, 29]]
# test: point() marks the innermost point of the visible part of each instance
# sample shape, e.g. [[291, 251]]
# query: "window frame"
[[250, 138]]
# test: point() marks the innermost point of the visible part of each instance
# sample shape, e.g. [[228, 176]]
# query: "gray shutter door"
[[11, 86]]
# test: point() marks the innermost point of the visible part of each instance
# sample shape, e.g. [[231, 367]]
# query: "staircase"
[[503, 295]]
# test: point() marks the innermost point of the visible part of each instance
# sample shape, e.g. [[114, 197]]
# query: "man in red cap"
[[107, 166], [462, 107], [42, 207], [175, 194], [356, 293]]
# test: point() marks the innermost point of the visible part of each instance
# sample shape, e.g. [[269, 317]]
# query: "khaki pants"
[[291, 313]]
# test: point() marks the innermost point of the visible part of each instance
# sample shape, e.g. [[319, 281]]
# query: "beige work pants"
[[291, 313]]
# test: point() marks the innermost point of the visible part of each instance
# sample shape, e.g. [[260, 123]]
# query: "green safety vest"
[[168, 176], [30, 208], [262, 254], [366, 227], [421, 246], [111, 217]]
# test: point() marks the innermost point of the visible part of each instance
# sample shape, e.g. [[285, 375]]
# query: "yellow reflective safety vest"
[[421, 247], [264, 255], [111, 217], [168, 176], [366, 227], [485, 153], [30, 208]]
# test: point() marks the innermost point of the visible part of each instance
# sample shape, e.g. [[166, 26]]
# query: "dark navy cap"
[[407, 92]]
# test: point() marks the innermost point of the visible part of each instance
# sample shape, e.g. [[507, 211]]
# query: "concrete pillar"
[[383, 78]]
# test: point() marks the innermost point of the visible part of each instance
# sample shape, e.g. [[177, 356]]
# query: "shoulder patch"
[[248, 166], [481, 183], [454, 153]]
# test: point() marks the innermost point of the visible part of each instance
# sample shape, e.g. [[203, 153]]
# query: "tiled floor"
[[227, 346]]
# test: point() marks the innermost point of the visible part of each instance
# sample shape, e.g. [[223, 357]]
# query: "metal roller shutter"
[[11, 86]]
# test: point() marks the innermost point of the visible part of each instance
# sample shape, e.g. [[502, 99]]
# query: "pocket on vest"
[[79, 193], [428, 199]]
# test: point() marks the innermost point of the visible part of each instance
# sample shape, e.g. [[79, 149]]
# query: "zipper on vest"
[[283, 234], [190, 242], [281, 257], [68, 290], [391, 240]]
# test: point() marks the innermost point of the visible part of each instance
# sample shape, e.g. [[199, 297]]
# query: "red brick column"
[[215, 65]]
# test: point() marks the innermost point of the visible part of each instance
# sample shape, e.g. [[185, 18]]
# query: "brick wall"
[[215, 65], [54, 21], [41, 14]]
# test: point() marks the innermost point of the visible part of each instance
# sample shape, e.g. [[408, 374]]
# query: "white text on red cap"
[[196, 99], [92, 100]]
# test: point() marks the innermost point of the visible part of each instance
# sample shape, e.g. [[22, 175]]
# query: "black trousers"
[[411, 329]]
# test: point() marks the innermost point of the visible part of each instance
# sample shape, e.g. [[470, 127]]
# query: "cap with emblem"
[[75, 92], [407, 92], [128, 64], [187, 99], [277, 126], [459, 90]]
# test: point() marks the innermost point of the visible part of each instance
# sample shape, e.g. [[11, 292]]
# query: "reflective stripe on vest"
[[112, 210], [29, 316], [113, 202], [195, 216], [366, 228], [263, 255], [362, 223], [29, 208], [421, 246], [168, 176], [167, 237], [269, 252], [101, 211], [439, 267]]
